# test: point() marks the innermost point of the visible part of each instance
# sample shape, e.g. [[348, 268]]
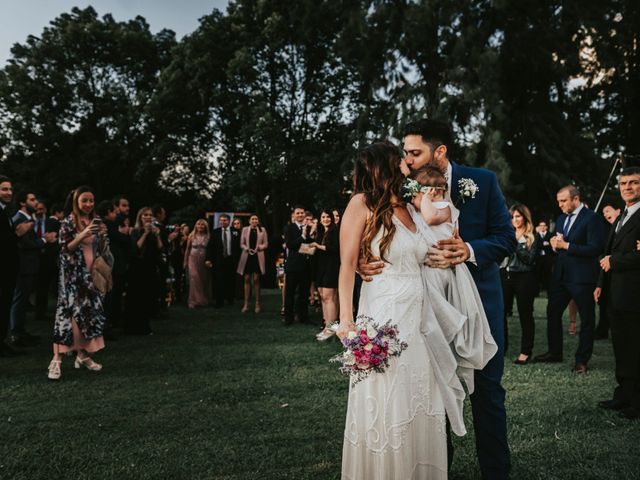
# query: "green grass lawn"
[[216, 394]]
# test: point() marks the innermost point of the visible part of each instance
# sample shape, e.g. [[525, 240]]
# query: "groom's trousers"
[[487, 401]]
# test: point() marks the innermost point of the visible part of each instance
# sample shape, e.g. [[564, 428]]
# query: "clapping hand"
[[50, 237], [605, 263]]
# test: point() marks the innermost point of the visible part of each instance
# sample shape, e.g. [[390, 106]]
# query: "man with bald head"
[[579, 240]]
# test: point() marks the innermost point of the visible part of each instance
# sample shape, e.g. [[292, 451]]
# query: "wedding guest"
[[159, 221], [311, 223], [195, 257], [610, 214], [9, 262], [237, 227], [296, 269], [144, 274], [80, 317], [327, 245], [177, 250], [578, 242], [253, 242], [118, 244], [337, 215], [30, 248], [122, 205], [222, 257], [47, 274], [544, 262], [618, 282], [520, 280]]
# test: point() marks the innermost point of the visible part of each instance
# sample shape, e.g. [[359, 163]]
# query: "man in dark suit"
[[618, 287], [578, 242], [30, 248], [297, 269], [47, 274], [610, 214], [486, 237], [9, 261], [223, 253]]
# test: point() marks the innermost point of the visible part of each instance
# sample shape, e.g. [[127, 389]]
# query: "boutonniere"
[[410, 188], [234, 233], [468, 189]]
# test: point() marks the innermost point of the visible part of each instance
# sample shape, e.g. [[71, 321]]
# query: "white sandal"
[[88, 363], [54, 372]]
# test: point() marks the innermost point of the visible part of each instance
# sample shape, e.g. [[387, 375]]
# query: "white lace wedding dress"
[[395, 426]]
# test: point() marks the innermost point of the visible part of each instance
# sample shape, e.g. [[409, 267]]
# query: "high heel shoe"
[[325, 334], [572, 328], [88, 363], [258, 309], [245, 308], [54, 372], [522, 362]]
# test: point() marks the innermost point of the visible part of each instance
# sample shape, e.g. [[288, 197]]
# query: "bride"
[[395, 426]]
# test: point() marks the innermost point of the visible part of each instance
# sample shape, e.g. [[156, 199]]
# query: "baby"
[[433, 205]]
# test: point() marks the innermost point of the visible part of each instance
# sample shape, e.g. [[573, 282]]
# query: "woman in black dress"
[[327, 255], [144, 274]]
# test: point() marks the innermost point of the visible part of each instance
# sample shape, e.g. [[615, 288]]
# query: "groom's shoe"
[[548, 358], [613, 404], [630, 413], [580, 368]]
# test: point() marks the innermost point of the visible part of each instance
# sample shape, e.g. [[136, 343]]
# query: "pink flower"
[[375, 349], [364, 338]]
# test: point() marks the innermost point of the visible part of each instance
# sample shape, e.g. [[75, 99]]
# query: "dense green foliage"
[[216, 394], [264, 105]]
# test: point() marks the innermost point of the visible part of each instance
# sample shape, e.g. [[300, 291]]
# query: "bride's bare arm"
[[351, 230]]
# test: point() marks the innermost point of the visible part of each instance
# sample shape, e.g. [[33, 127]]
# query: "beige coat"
[[261, 246]]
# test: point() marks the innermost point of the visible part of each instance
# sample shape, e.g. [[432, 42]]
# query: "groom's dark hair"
[[431, 131]]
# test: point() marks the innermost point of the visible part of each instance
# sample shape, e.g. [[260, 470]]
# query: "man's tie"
[[567, 225], [224, 243], [622, 217], [40, 229]]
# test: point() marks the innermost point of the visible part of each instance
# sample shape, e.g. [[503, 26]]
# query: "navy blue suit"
[[485, 223], [575, 274]]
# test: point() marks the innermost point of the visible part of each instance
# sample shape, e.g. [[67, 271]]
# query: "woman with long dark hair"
[[253, 243], [327, 258], [144, 274], [80, 318], [403, 405], [519, 278]]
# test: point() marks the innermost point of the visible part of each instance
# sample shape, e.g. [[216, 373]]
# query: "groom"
[[486, 237]]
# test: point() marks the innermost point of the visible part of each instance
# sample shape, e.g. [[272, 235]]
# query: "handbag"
[[101, 270]]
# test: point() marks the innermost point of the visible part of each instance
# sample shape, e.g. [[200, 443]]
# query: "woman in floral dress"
[[80, 318]]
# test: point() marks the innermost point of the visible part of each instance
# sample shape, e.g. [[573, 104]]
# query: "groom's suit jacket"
[[485, 223]]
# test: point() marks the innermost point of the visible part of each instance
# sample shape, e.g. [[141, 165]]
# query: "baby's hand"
[[417, 200]]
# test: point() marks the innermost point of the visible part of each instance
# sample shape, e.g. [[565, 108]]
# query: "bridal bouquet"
[[368, 349]]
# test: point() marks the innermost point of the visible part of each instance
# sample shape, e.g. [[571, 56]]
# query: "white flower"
[[368, 347], [351, 335], [468, 188], [371, 332]]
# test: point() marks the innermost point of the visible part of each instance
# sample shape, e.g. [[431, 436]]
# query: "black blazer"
[[621, 284], [52, 224], [296, 262], [30, 248], [545, 244], [215, 254], [579, 264], [8, 250]]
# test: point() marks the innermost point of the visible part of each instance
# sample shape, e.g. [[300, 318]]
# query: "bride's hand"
[[344, 328]]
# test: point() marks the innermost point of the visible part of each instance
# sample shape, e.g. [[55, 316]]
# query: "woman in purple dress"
[[194, 263]]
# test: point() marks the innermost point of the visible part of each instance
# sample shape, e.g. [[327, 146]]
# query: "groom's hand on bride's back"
[[367, 268]]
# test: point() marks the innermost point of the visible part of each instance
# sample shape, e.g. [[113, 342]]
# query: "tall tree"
[[75, 105]]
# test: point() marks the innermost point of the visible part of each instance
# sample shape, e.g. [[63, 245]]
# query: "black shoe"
[[33, 339], [287, 322], [19, 341], [523, 362], [7, 351], [548, 358], [630, 413], [613, 404]]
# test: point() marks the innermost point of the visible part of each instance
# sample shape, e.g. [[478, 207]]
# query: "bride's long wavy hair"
[[378, 177]]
